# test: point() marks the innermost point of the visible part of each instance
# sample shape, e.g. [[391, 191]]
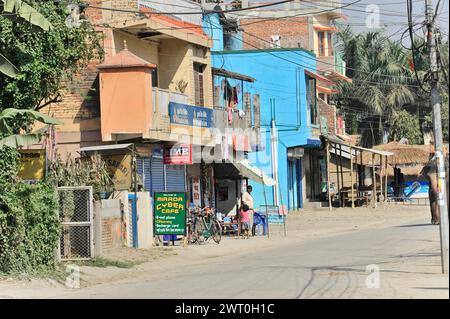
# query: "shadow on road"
[[415, 225]]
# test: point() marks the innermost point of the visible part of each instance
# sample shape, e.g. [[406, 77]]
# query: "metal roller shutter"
[[175, 178], [143, 167], [157, 175]]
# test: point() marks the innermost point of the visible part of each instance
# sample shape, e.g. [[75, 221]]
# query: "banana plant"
[[20, 140], [20, 11]]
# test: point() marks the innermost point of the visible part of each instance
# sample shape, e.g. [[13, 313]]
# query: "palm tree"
[[381, 76], [19, 10], [9, 135]]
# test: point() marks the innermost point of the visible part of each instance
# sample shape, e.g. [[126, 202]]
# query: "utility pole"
[[437, 128]]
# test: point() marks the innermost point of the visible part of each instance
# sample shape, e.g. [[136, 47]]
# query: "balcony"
[[160, 108]]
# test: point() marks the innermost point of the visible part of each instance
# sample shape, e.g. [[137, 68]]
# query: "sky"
[[392, 14]]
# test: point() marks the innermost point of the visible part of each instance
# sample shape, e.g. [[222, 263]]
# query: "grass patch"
[[103, 263], [58, 274]]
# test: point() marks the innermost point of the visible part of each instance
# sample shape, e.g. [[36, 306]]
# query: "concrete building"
[[285, 80]]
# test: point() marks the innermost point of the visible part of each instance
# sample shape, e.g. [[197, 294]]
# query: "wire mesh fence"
[[76, 215]]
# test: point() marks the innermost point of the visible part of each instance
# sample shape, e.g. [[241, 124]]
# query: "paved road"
[[335, 267]]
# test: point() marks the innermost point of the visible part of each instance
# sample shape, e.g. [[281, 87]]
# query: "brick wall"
[[112, 233], [329, 112], [293, 32], [80, 95]]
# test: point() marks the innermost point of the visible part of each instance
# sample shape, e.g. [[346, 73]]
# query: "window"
[[155, 77], [330, 44], [312, 101], [321, 36], [198, 84]]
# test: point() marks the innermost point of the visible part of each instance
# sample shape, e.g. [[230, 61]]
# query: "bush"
[[9, 165], [29, 228]]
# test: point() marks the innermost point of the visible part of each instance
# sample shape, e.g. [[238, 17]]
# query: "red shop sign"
[[178, 154]]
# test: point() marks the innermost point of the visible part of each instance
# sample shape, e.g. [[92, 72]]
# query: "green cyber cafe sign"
[[170, 214]]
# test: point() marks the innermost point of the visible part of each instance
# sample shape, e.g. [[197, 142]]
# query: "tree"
[[406, 125], [18, 10], [45, 60], [383, 82], [7, 119]]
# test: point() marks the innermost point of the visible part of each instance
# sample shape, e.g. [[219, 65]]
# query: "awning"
[[254, 173], [232, 75], [106, 149], [319, 77], [323, 28], [322, 89]]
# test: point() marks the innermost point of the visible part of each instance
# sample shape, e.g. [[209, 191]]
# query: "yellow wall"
[[323, 21], [175, 61], [144, 49]]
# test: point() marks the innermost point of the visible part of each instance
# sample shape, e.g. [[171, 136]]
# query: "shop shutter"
[[157, 175], [175, 178], [143, 169]]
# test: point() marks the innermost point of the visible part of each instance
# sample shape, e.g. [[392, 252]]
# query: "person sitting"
[[245, 221]]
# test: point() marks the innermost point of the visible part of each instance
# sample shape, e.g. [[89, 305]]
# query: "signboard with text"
[[179, 154], [274, 216], [32, 164], [119, 168], [183, 114], [170, 214]]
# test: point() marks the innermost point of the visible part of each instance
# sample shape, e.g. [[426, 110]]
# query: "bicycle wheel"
[[200, 233], [216, 232], [192, 238]]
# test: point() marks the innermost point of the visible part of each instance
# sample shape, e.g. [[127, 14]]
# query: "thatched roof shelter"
[[404, 154], [413, 170]]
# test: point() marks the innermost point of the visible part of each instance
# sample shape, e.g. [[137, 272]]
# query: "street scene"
[[233, 150]]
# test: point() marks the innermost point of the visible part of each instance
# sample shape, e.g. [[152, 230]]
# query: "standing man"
[[247, 199]]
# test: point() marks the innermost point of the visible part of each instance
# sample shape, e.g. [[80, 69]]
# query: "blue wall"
[[280, 81]]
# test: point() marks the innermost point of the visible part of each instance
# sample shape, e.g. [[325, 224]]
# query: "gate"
[[76, 215]]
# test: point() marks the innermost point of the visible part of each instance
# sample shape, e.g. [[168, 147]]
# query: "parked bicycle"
[[203, 225]]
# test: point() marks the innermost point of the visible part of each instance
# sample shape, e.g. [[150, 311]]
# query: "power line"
[[189, 13]]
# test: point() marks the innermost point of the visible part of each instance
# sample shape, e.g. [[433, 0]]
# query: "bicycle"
[[204, 226]]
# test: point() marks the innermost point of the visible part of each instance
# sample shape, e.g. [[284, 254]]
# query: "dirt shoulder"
[[301, 227]]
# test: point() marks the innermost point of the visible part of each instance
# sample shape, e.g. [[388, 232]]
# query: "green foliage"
[[45, 60], [406, 125], [383, 83], [81, 172], [10, 116], [29, 228], [9, 166]]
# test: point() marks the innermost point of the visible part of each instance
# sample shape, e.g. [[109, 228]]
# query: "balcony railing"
[[160, 105]]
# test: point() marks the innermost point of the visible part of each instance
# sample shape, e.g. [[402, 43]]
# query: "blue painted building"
[[285, 80]]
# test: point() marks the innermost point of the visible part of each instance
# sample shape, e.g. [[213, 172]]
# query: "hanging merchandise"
[[235, 96], [230, 115], [241, 114], [227, 92], [238, 89]]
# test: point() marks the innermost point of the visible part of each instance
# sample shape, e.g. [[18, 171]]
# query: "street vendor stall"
[[350, 186]]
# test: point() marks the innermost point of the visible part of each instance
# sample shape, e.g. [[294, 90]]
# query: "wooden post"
[[337, 174], [381, 179], [328, 174], [386, 178], [352, 196], [374, 182], [363, 169]]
